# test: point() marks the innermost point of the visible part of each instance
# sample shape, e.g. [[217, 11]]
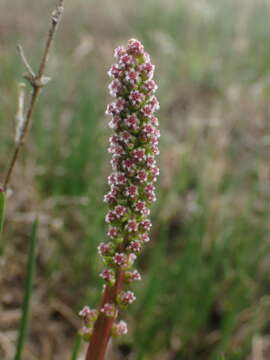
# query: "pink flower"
[[135, 47], [109, 310], [132, 122], [114, 71], [131, 276], [132, 191], [113, 139], [120, 329], [132, 225], [131, 258], [154, 103], [109, 198], [110, 109], [148, 68], [149, 130], [141, 208], [119, 51], [150, 161], [155, 173], [136, 97], [154, 149], [144, 237], [116, 150], [115, 163], [112, 179], [120, 178], [119, 211], [126, 297], [113, 232], [150, 188], [115, 87], [108, 275], [115, 122], [110, 217], [135, 246], [104, 249], [147, 110], [125, 137], [150, 86], [119, 105], [119, 259], [146, 225], [132, 77], [141, 176], [85, 311], [139, 154], [151, 197], [154, 120], [126, 60], [128, 164], [150, 192]]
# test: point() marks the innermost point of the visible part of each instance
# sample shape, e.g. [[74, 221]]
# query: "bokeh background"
[[205, 289]]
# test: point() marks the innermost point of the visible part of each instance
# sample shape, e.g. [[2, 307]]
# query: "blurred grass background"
[[205, 289]]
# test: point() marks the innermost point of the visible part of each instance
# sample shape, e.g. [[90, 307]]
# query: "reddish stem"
[[103, 326]]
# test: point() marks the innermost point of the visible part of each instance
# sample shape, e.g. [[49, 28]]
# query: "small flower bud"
[[119, 259], [131, 276], [125, 298], [135, 246], [109, 310], [105, 249], [109, 276], [89, 315], [119, 329]]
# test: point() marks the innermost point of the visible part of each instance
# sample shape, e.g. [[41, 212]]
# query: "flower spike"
[[133, 147]]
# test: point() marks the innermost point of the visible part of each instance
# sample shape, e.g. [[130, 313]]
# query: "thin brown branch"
[[55, 20], [25, 62], [37, 82]]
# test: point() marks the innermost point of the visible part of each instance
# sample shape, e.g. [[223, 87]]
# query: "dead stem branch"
[[37, 82]]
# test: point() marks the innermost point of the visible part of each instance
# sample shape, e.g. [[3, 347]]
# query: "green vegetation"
[[28, 290], [2, 210]]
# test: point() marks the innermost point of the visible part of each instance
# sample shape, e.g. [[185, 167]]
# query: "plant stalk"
[[37, 82], [103, 326]]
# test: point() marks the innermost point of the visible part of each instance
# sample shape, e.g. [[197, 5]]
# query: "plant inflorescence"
[[134, 146]]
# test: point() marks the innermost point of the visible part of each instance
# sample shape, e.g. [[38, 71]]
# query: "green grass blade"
[[31, 264], [76, 348], [2, 209]]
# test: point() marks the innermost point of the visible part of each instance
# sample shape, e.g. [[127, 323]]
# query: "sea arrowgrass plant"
[[133, 145]]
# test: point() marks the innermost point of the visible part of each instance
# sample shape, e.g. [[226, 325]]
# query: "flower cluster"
[[89, 317], [133, 147]]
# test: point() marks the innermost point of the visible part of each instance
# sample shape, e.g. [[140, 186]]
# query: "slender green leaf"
[[31, 264], [76, 348], [2, 209]]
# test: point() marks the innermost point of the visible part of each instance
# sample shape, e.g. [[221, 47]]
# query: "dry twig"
[[37, 82]]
